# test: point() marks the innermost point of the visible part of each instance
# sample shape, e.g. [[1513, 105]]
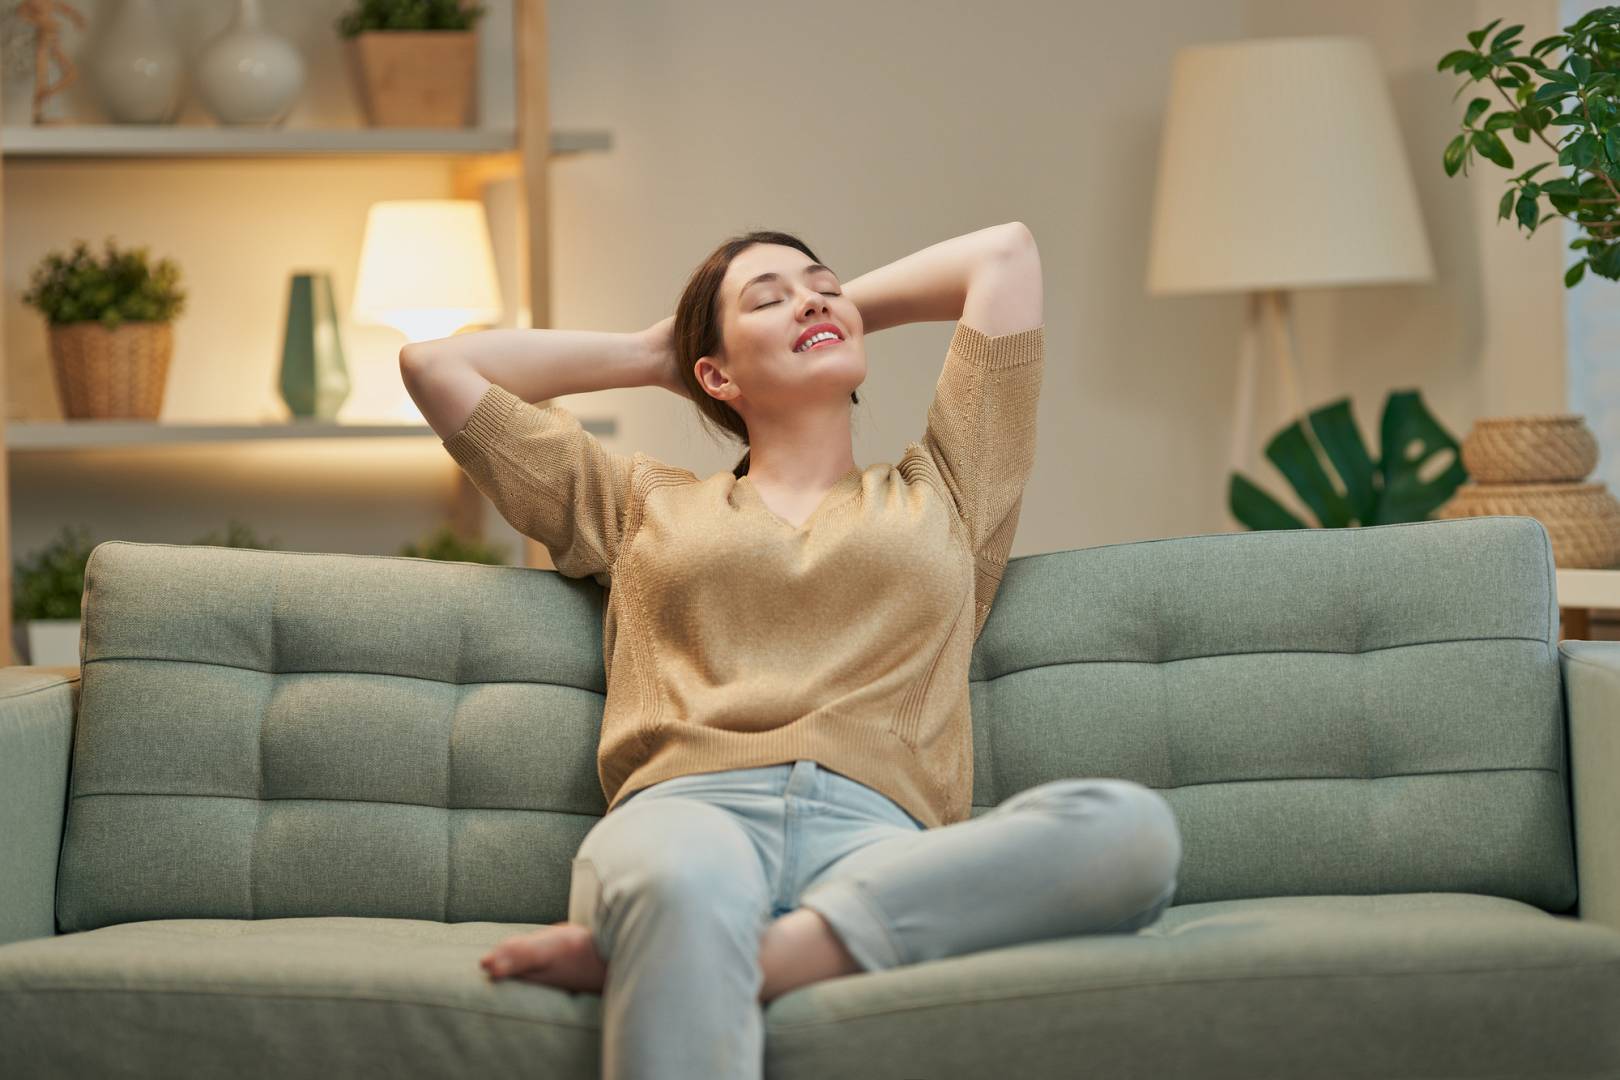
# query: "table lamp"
[[427, 268], [1281, 167]]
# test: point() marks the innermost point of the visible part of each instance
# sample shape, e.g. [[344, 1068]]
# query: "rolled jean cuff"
[[858, 922]]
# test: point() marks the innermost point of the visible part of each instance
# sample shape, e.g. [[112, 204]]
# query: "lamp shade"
[[427, 268], [1281, 166]]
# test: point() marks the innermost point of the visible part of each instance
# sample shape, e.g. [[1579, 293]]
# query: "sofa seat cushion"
[[281, 998], [1430, 984], [1417, 984]]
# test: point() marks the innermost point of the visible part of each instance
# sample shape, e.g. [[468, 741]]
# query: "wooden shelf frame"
[[483, 156]]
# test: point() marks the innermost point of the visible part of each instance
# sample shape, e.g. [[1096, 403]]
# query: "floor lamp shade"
[[1281, 166], [427, 267]]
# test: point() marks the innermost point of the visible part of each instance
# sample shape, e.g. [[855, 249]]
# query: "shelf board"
[[200, 140], [99, 434]]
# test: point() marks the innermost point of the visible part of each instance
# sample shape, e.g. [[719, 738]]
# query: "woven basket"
[[106, 374], [1555, 448], [1582, 519]]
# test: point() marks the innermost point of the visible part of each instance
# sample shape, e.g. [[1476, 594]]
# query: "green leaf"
[[1581, 67], [1257, 510], [1566, 119], [1584, 151], [1477, 37], [1455, 58], [1297, 461], [1547, 43], [1454, 154], [1492, 148], [1501, 120], [1612, 142], [1528, 210], [1335, 428], [1550, 92], [1505, 207], [1532, 170], [1407, 497], [1574, 274], [1561, 186], [1562, 78], [1608, 264], [1501, 38], [1475, 107]]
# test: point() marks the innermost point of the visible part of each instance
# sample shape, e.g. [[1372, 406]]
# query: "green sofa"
[[296, 796]]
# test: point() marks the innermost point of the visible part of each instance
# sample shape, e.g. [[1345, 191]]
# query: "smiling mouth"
[[827, 344]]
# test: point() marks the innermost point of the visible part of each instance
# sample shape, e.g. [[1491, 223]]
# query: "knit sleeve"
[[981, 438], [549, 477]]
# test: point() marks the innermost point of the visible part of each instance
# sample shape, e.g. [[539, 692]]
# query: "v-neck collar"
[[850, 479]]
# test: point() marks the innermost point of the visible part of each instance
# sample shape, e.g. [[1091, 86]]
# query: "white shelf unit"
[[23, 435], [198, 140], [482, 155]]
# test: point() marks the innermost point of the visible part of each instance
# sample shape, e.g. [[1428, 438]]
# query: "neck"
[[807, 450]]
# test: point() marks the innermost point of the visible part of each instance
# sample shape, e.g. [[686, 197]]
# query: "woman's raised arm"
[[446, 377], [540, 364], [940, 283]]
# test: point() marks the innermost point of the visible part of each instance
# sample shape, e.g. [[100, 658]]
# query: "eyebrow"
[[813, 268]]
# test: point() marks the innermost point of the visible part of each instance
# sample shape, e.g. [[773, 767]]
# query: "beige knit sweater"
[[732, 639]]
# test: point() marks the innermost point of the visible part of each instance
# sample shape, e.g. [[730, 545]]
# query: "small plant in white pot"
[[45, 604], [414, 62]]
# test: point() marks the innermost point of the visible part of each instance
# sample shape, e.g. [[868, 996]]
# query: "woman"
[[786, 746]]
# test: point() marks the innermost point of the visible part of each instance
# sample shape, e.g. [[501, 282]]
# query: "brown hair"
[[698, 326]]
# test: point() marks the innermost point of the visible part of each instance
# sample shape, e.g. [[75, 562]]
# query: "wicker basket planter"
[[111, 374], [1530, 449], [415, 78], [1582, 519]]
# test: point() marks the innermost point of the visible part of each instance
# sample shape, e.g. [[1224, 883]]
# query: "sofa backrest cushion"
[[1328, 711], [267, 734]]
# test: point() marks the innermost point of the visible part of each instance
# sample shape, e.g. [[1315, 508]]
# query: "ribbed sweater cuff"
[[487, 421], [1002, 351]]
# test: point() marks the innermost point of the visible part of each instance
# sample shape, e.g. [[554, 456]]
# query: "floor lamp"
[[1281, 167]]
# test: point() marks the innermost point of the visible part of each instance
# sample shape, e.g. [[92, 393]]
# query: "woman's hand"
[[660, 344]]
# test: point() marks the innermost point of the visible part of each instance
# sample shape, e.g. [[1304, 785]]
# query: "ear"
[[715, 382]]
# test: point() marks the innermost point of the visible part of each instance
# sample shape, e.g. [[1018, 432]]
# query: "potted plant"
[[45, 603], [445, 544], [109, 324], [414, 62], [1578, 95], [1392, 489]]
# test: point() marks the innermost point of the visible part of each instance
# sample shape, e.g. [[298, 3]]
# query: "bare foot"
[[559, 954]]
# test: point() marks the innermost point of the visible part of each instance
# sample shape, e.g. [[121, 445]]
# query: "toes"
[[514, 956]]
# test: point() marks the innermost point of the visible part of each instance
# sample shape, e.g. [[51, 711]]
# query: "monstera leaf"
[[1390, 491]]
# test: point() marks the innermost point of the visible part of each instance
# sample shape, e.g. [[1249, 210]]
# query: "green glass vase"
[[314, 379]]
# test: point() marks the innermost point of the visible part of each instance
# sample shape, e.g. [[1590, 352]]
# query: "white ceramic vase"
[[248, 75], [136, 66]]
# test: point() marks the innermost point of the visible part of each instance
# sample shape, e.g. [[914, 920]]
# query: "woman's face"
[[772, 294]]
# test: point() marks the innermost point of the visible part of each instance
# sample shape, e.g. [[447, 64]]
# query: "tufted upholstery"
[[271, 734]]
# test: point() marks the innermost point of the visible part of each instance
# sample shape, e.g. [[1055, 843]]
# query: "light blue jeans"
[[679, 882]]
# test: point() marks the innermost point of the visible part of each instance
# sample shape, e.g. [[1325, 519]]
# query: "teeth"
[[823, 336]]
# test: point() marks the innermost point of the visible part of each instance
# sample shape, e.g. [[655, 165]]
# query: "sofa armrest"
[[37, 708], [1591, 678]]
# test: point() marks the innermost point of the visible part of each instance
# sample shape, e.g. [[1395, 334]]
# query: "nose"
[[814, 302]]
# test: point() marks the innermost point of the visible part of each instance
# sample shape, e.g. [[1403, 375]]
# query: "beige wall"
[[927, 119]]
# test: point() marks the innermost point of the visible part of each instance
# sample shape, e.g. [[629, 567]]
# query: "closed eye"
[[768, 303]]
